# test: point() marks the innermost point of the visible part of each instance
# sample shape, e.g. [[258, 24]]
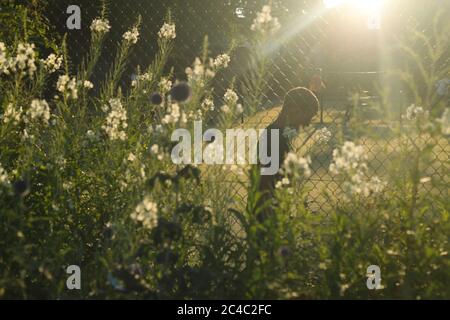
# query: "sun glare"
[[366, 6]]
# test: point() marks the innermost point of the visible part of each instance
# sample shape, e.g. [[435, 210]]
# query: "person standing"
[[300, 106]]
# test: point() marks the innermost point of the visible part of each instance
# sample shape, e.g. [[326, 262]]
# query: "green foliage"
[[73, 191], [26, 19]]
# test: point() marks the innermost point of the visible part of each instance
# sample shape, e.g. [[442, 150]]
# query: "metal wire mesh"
[[293, 61]]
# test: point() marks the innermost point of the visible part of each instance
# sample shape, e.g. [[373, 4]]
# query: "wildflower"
[[165, 85], [39, 110], [323, 135], [100, 26], [413, 112], [88, 85], [425, 180], [374, 186], [445, 122], [290, 133], [12, 115], [199, 72], [116, 121], [68, 86], [142, 77], [225, 109], [4, 180], [322, 266], [221, 61], [344, 288], [154, 149], [349, 157], [61, 162], [173, 115], [392, 253], [156, 98], [264, 23], [350, 162], [25, 59], [147, 213], [282, 183], [294, 164], [181, 92], [3, 59], [53, 63], [90, 134], [132, 36], [208, 104], [131, 157], [231, 97], [167, 32]]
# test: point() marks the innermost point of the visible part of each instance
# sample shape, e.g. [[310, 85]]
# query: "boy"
[[299, 107]]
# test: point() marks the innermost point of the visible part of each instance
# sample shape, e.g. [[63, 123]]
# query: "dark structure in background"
[[221, 21], [310, 38]]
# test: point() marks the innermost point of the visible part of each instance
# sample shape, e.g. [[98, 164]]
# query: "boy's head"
[[299, 107]]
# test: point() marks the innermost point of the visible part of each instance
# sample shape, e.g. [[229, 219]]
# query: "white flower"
[[350, 162], [199, 72], [239, 108], [142, 77], [165, 85], [4, 64], [68, 86], [208, 104], [4, 180], [173, 115], [167, 31], [132, 36], [90, 134], [53, 63], [264, 23], [350, 156], [100, 26], [131, 157], [61, 162], [154, 149], [147, 213], [413, 112], [221, 61], [372, 186], [230, 97], [12, 115], [323, 136], [282, 183], [116, 121], [25, 59], [445, 122], [225, 108], [88, 85], [294, 164], [39, 110]]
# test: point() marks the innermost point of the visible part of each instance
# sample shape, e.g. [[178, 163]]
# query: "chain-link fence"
[[309, 39]]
